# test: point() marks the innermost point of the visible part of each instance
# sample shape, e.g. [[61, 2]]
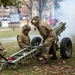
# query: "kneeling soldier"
[[24, 39]]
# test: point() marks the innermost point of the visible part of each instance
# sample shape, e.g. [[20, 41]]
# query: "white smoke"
[[67, 14]]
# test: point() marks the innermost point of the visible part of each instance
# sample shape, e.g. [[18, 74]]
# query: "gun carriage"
[[65, 49]]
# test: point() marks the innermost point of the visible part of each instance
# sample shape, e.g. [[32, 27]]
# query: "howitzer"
[[65, 44], [59, 28], [32, 51]]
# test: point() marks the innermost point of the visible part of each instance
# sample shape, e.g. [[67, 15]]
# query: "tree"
[[28, 5], [7, 2], [56, 3]]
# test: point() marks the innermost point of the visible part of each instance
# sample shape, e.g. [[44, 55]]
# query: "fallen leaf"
[[36, 68], [64, 62]]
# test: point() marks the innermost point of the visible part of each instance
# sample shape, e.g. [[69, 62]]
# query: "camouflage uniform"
[[2, 50], [47, 33], [24, 40]]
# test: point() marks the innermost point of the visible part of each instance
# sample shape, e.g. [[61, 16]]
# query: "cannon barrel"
[[59, 28]]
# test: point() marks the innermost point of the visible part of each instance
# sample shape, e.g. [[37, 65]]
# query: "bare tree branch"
[[26, 4]]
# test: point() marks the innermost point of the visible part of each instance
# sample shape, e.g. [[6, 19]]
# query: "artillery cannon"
[[31, 51], [65, 44]]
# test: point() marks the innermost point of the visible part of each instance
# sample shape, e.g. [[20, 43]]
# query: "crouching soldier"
[[48, 35], [2, 50], [24, 39]]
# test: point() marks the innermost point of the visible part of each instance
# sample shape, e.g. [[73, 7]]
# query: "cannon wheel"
[[66, 48], [36, 41]]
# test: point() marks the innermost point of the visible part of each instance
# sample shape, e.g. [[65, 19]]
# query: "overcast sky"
[[67, 14]]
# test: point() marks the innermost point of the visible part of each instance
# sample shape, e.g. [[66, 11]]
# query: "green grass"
[[28, 66], [11, 33]]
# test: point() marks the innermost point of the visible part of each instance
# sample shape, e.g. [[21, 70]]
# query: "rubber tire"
[[36, 41], [66, 48]]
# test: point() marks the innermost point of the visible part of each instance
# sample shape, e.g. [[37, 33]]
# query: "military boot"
[[44, 61]]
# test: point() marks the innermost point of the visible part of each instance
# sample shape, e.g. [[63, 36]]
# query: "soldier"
[[24, 39], [49, 37], [2, 50]]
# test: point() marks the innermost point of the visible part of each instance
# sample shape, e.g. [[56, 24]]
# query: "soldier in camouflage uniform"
[[24, 39], [2, 50], [48, 35]]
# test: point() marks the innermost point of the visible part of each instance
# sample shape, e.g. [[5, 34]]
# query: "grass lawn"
[[32, 66], [11, 33]]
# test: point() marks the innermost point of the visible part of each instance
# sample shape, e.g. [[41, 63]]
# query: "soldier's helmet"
[[26, 27], [35, 20]]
